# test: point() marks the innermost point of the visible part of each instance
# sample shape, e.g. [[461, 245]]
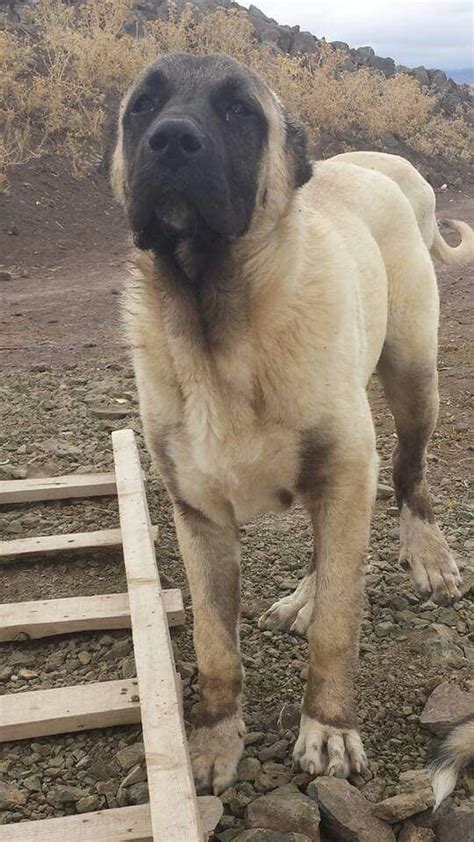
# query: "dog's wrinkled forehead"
[[190, 78]]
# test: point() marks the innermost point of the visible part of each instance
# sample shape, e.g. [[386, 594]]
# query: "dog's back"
[[423, 201]]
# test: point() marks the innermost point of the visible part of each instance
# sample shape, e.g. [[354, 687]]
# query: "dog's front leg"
[[340, 505], [211, 554]]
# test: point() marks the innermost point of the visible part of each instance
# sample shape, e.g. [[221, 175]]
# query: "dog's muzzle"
[[176, 141]]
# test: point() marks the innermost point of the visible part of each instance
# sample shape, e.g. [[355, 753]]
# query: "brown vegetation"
[[56, 88]]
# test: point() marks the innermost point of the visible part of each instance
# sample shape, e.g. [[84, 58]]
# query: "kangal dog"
[[267, 292]]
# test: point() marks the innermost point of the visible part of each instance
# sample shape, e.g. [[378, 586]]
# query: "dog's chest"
[[230, 453]]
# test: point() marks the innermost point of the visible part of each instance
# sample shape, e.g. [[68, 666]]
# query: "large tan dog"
[[265, 297]]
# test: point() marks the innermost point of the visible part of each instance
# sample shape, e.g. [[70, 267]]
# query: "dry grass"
[[56, 89]]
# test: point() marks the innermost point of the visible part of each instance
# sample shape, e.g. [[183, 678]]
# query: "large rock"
[[438, 79], [385, 65], [303, 42], [268, 30], [341, 46], [287, 810], [421, 75], [364, 55], [447, 705], [457, 825], [346, 814]]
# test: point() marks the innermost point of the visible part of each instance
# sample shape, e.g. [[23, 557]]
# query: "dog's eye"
[[237, 109], [142, 104]]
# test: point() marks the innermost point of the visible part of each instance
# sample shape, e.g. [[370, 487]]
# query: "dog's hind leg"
[[211, 556], [293, 612], [407, 368]]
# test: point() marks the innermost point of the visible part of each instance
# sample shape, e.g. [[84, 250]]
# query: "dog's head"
[[204, 147]]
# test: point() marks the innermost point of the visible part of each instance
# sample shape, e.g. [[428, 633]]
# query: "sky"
[[435, 33]]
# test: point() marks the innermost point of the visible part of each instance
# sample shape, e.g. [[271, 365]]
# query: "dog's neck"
[[202, 292], [209, 290]]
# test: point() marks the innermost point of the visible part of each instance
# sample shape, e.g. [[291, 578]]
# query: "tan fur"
[[423, 201], [331, 274]]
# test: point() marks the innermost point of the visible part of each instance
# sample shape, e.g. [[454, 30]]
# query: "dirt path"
[[62, 356]]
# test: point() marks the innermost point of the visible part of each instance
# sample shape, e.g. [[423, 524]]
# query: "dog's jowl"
[[266, 293]]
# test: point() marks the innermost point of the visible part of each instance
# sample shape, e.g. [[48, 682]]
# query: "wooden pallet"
[[175, 813]]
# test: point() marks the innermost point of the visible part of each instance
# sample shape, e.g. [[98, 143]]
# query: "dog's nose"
[[176, 140]]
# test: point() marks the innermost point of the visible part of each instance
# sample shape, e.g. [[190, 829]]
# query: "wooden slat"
[[56, 488], [126, 824], [174, 811], [45, 618], [38, 713], [52, 544]]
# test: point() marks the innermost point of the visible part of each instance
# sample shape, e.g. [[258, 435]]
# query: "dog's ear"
[[297, 144]]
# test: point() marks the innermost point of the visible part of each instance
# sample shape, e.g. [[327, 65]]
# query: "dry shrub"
[[55, 89]]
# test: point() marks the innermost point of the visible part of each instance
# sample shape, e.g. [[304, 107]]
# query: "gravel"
[[408, 646]]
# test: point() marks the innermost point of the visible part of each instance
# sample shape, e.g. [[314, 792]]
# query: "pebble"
[[249, 769], [137, 774], [11, 796], [130, 756], [138, 793], [404, 805], [66, 794], [271, 776], [88, 804]]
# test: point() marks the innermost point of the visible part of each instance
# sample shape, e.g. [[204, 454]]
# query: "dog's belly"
[[255, 474]]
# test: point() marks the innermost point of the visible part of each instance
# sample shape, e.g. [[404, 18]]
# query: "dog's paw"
[[293, 612], [215, 753], [424, 549], [323, 750], [303, 619]]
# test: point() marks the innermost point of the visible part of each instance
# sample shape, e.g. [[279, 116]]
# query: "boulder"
[[385, 65], [364, 55], [303, 42], [447, 705], [341, 46], [421, 75], [437, 79], [268, 30], [346, 814], [287, 810]]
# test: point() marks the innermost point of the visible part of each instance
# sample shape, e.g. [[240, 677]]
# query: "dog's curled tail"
[[454, 753], [454, 255]]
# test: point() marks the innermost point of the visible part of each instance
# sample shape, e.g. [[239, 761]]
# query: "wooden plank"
[[174, 811], [52, 544], [38, 713], [119, 825], [56, 488], [46, 618]]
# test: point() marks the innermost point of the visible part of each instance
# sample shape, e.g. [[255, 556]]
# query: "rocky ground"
[[55, 386]]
